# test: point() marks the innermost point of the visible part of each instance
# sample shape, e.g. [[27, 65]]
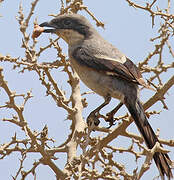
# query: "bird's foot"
[[92, 119], [110, 119]]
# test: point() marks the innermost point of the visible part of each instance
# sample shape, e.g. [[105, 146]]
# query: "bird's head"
[[71, 27]]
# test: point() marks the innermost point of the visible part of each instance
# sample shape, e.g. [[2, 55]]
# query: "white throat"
[[70, 36]]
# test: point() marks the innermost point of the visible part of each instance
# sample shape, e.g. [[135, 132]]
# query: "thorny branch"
[[96, 150]]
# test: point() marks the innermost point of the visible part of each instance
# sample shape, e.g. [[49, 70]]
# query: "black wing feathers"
[[126, 71]]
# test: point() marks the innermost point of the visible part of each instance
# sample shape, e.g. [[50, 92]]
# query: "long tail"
[[137, 112]]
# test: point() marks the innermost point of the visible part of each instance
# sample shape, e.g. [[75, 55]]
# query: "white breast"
[[100, 83]]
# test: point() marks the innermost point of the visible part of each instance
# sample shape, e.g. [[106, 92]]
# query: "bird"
[[109, 73]]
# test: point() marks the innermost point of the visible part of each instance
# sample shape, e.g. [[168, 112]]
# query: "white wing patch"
[[121, 60]]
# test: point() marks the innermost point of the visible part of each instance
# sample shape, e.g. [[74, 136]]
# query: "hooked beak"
[[52, 29]]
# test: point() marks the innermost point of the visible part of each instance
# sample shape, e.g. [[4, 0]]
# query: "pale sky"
[[125, 27]]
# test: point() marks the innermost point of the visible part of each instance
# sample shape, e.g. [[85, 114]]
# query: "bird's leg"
[[92, 118], [110, 115]]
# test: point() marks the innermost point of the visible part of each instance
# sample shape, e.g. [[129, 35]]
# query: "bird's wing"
[[123, 68]]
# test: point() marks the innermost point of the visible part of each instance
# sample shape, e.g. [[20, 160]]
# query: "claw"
[[110, 125], [110, 115], [92, 119], [110, 119]]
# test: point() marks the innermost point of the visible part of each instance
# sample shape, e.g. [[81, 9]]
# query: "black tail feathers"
[[137, 112]]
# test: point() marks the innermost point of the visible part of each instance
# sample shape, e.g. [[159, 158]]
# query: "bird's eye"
[[67, 22]]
